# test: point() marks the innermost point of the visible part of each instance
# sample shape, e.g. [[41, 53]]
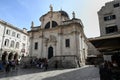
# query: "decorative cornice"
[[11, 26]]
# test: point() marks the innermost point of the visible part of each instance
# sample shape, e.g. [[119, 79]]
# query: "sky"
[[21, 13]]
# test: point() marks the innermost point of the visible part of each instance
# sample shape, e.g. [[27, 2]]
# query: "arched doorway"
[[4, 56], [10, 56], [50, 52], [116, 58], [16, 56]]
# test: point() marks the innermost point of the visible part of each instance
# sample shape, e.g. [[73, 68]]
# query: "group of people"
[[108, 70], [40, 63], [9, 65]]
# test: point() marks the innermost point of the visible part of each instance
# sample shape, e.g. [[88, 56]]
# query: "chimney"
[[24, 30]]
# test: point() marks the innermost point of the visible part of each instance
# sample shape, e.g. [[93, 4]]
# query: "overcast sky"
[[22, 12]]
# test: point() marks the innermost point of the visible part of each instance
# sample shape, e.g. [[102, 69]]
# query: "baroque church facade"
[[59, 38]]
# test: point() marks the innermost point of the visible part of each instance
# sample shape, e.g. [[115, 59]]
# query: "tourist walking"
[[105, 71], [45, 64], [7, 68]]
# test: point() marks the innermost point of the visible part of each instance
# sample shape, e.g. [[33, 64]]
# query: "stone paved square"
[[84, 73]]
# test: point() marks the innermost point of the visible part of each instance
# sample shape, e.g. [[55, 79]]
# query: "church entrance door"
[[50, 52]]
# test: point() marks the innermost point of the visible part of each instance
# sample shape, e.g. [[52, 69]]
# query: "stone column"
[[55, 47], [42, 44]]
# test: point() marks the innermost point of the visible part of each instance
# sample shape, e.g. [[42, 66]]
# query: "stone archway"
[[4, 56], [10, 56], [50, 52], [16, 56]]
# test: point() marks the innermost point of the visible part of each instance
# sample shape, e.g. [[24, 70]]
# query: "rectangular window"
[[6, 42], [23, 48], [13, 34], [67, 42], [12, 44], [110, 17], [8, 32], [111, 29], [17, 45], [23, 45], [36, 45], [116, 5], [18, 35], [24, 38]]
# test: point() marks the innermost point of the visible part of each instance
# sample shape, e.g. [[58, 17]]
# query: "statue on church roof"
[[73, 14], [32, 24], [51, 8]]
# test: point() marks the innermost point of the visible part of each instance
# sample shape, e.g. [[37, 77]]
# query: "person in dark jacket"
[[101, 71], [7, 68], [105, 71]]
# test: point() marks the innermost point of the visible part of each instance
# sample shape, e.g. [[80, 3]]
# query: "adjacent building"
[[59, 38], [109, 17], [14, 42], [109, 41]]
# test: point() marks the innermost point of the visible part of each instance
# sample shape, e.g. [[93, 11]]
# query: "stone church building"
[[60, 39]]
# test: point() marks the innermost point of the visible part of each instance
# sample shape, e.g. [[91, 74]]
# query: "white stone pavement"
[[84, 73]]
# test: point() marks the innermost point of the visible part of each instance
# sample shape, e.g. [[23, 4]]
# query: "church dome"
[[63, 13]]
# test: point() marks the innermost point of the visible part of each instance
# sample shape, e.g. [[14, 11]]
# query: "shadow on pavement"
[[20, 72], [86, 73]]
